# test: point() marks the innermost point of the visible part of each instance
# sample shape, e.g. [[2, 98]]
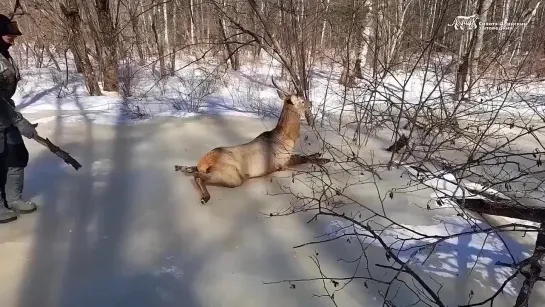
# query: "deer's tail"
[[185, 169]]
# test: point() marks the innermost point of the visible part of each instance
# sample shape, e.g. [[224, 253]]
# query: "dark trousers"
[[15, 149]]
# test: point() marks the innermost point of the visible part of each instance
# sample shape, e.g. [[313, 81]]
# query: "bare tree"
[[77, 43], [108, 40]]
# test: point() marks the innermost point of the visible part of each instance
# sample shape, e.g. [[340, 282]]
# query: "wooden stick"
[[59, 152]]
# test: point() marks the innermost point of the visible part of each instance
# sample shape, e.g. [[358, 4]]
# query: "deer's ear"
[[280, 94]]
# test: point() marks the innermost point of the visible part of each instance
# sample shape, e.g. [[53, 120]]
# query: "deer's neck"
[[289, 123]]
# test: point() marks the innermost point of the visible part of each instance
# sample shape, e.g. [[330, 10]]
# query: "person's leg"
[[16, 161], [6, 214], [15, 181]]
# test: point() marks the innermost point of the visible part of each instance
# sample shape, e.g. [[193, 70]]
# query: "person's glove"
[[27, 129]]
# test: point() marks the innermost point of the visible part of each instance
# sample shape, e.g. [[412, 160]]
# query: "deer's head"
[[302, 105]]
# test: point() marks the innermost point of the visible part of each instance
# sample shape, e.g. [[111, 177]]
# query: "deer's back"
[[261, 156]]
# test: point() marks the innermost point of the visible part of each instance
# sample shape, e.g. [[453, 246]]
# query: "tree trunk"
[[158, 43], [87, 8], [532, 271], [482, 11], [192, 22], [324, 23], [363, 49], [166, 40], [505, 17], [173, 13], [467, 41], [347, 78], [516, 50], [461, 76], [109, 46], [52, 57], [77, 45], [232, 54], [137, 33]]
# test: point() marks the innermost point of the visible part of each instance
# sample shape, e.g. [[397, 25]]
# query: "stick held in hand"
[[57, 151]]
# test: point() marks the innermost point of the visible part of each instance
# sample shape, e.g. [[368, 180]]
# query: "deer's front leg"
[[300, 159]]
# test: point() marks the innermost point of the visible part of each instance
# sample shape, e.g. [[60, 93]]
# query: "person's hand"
[[27, 129]]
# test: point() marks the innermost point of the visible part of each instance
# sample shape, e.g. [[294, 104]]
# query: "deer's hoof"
[[204, 200], [323, 161], [315, 155], [177, 168]]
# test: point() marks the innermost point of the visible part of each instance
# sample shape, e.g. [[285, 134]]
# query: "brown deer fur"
[[271, 151]]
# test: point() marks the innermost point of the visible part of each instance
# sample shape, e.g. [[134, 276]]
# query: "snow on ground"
[[480, 252], [206, 87], [463, 255]]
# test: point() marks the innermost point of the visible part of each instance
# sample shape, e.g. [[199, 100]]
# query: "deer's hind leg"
[[223, 175]]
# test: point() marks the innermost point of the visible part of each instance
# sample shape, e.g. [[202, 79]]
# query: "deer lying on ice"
[[269, 152]]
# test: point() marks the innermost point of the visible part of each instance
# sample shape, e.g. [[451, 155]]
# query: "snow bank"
[[206, 88]]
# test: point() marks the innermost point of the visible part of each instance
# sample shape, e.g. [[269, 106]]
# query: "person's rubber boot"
[[7, 215], [14, 191]]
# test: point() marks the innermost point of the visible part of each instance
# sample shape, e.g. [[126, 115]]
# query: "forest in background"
[[369, 38]]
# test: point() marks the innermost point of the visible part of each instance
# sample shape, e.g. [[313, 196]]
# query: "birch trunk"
[[482, 11], [173, 37], [516, 50], [166, 42], [324, 23], [365, 39], [191, 22], [505, 17], [463, 56], [402, 7]]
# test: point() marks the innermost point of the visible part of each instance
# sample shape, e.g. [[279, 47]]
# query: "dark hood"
[[7, 26]]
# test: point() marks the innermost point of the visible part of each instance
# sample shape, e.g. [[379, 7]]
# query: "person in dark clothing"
[[13, 153]]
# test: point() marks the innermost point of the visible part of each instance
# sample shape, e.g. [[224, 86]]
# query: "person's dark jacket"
[[12, 123]]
